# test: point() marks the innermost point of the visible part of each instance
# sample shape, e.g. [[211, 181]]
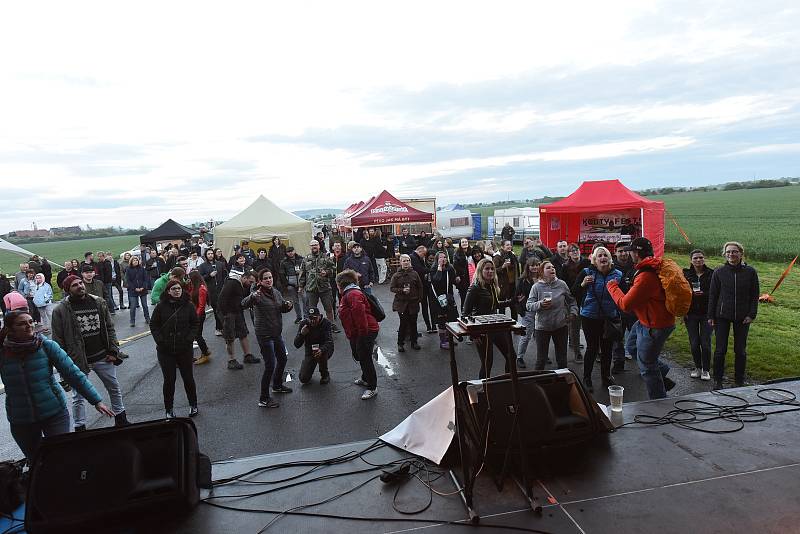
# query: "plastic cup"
[[615, 396]]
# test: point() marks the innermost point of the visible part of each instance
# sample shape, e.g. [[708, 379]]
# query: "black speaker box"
[[103, 479]]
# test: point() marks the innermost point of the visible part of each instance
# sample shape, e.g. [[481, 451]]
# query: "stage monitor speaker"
[[106, 478], [554, 411]]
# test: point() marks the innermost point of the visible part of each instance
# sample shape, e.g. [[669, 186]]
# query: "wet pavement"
[[232, 425]]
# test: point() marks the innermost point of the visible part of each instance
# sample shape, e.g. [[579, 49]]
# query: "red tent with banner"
[[386, 209], [603, 211]]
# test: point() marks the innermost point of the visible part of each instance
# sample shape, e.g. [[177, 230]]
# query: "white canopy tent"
[[11, 247], [259, 222]]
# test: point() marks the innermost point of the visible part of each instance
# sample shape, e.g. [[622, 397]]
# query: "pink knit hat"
[[15, 301]]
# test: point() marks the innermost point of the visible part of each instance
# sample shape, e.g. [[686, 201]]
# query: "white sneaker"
[[695, 373], [217, 332], [195, 345], [368, 394], [628, 356], [359, 382], [705, 376]]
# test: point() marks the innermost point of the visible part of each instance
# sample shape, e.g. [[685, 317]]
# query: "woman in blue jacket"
[[599, 314], [35, 404]]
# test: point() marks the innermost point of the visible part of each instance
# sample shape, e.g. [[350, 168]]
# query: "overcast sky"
[[127, 116]]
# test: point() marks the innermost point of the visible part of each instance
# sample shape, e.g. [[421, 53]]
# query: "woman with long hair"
[[476, 255], [174, 326], [527, 319], [600, 317], [461, 257], [276, 255], [199, 297], [35, 405], [443, 303], [482, 299], [552, 302], [214, 272], [138, 282]]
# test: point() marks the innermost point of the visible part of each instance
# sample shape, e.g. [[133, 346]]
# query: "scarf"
[[21, 348]]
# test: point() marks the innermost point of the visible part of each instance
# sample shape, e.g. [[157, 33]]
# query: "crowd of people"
[[617, 300]]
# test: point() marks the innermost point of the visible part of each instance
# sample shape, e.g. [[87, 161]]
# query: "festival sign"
[[610, 227]]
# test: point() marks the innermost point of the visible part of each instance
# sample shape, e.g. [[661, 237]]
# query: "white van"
[[524, 221]]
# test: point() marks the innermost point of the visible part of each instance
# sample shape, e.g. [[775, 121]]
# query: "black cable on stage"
[[463, 522], [691, 414]]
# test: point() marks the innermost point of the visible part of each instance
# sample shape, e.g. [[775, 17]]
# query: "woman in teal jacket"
[[35, 404]]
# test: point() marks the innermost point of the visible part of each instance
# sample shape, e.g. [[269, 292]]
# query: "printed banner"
[[610, 227]]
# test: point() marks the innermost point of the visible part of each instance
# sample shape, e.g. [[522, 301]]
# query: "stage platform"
[[663, 479]]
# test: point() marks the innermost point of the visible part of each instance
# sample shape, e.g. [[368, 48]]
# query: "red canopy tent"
[[386, 209], [602, 211]]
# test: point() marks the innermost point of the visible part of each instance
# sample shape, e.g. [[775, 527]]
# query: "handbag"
[[613, 329], [442, 299]]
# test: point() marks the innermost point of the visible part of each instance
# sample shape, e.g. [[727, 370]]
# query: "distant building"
[[65, 230], [32, 233]]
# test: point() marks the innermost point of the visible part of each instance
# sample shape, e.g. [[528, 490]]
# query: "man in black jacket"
[[732, 301], [420, 266], [229, 303], [371, 244], [104, 274], [315, 333], [406, 243]]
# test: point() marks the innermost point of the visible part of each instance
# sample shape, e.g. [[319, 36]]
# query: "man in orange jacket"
[[646, 299]]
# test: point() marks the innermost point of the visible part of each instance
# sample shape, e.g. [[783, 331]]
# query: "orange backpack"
[[676, 288]]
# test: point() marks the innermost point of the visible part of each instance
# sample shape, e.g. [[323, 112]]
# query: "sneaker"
[[132, 325], [668, 383], [195, 345], [695, 373], [204, 358], [579, 358], [269, 403], [717, 384], [521, 363], [368, 394], [249, 358], [169, 415], [298, 320], [359, 382], [415, 345], [705, 375], [122, 355], [336, 330], [628, 356], [431, 331], [218, 333], [193, 411], [401, 348], [234, 365], [80, 428], [325, 379], [281, 389]]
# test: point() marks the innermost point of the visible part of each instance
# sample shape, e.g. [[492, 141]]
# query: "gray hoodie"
[[564, 304]]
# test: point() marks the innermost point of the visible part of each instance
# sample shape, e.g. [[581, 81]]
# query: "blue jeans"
[[529, 322], [645, 345], [133, 302], [699, 340], [107, 372], [740, 331], [29, 436], [273, 351]]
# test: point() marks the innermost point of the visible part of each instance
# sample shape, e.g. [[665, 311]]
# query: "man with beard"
[[507, 267], [83, 327]]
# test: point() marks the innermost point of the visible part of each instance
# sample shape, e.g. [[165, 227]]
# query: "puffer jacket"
[[267, 309], [597, 302], [32, 393], [173, 324], [733, 294], [403, 302]]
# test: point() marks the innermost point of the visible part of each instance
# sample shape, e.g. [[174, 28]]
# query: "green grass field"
[[763, 220]]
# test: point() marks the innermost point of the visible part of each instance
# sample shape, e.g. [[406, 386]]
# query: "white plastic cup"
[[615, 396]]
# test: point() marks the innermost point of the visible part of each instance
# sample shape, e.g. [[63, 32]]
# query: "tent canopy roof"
[[11, 247], [260, 213], [386, 209], [600, 195], [168, 230]]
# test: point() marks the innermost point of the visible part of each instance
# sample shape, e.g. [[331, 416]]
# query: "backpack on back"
[[677, 291], [375, 308]]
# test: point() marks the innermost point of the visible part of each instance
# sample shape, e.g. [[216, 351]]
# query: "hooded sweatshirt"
[[563, 304]]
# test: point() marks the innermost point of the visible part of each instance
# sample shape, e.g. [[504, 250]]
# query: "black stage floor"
[[661, 479]]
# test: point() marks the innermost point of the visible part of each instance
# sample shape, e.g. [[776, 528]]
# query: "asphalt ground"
[[232, 425]]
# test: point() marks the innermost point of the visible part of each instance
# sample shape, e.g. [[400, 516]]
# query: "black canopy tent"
[[168, 231]]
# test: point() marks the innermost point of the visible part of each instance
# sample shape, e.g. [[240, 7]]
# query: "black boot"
[[80, 428], [121, 419]]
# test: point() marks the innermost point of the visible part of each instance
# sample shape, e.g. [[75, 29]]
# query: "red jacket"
[[354, 312], [202, 298], [646, 296]]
